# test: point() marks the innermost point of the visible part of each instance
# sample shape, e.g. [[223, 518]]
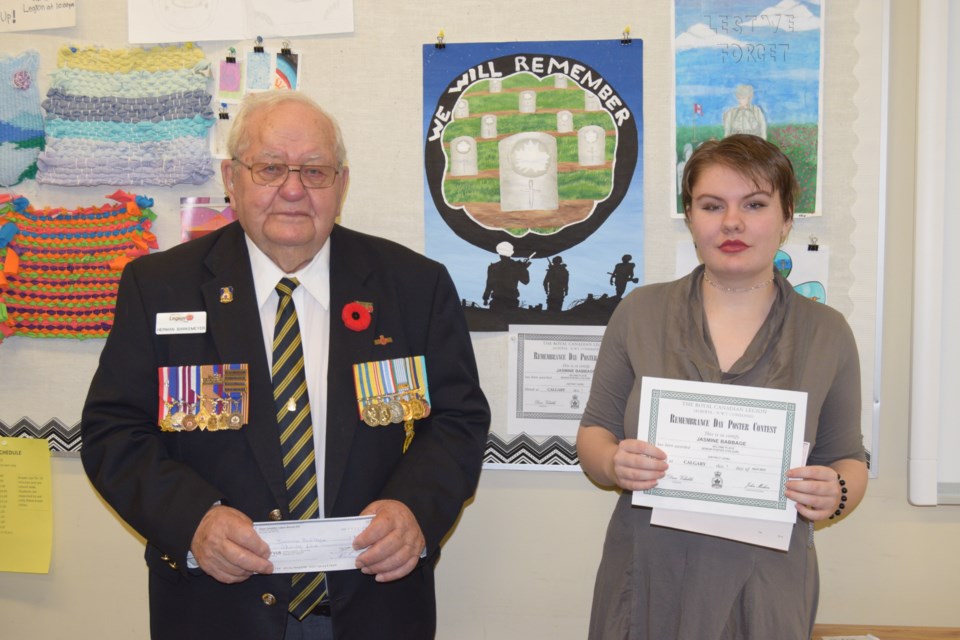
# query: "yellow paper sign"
[[26, 513]]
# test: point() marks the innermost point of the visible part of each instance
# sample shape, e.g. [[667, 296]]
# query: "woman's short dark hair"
[[752, 157]]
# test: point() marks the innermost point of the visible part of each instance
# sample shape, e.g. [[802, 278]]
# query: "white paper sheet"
[[728, 447]]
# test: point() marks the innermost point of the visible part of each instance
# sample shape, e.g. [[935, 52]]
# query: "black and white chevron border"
[[62, 438], [524, 450], [520, 450]]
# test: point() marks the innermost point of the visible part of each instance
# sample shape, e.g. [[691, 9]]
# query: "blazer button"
[[275, 515], [171, 563], [269, 599]]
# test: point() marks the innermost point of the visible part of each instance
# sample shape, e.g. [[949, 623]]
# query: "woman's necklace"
[[736, 289]]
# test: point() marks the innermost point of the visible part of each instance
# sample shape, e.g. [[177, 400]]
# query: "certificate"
[[551, 368], [312, 545], [729, 447]]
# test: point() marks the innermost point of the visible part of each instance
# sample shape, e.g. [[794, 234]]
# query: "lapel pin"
[[382, 341], [357, 315], [226, 295]]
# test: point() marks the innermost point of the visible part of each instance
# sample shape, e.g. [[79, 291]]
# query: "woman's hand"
[[638, 465], [816, 490], [819, 493], [633, 465]]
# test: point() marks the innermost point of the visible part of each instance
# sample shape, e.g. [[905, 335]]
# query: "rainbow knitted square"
[[21, 123], [128, 117], [61, 268]]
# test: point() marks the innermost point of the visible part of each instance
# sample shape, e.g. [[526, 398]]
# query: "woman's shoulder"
[[825, 324]]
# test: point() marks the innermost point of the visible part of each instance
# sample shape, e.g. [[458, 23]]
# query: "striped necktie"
[[296, 437]]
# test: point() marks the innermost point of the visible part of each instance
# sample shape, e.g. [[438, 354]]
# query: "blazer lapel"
[[350, 281], [234, 323]]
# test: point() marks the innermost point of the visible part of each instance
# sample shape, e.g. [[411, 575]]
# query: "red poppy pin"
[[357, 315]]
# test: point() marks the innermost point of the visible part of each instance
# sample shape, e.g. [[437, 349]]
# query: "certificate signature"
[[312, 545], [729, 447]]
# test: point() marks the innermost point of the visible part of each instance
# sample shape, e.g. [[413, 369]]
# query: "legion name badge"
[[209, 397], [393, 392], [181, 323]]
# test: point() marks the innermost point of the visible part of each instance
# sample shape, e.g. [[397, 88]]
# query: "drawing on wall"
[[21, 121], [256, 68], [534, 178], [751, 66], [155, 21], [200, 215]]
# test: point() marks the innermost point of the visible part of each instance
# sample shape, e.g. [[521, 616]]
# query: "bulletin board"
[[371, 79]]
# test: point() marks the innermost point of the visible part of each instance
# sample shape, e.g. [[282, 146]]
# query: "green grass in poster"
[[585, 185], [479, 190], [798, 142]]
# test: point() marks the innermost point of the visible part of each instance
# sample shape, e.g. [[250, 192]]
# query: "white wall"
[[521, 563]]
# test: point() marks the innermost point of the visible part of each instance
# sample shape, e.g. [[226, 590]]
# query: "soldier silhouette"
[[622, 274], [504, 279], [556, 283]]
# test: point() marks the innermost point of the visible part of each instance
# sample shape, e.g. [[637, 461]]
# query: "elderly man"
[[277, 369]]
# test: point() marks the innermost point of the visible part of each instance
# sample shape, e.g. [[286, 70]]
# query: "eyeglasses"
[[274, 174]]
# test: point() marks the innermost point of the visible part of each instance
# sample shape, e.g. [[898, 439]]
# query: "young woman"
[[733, 320]]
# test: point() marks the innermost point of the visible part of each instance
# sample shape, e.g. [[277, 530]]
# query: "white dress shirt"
[[312, 302]]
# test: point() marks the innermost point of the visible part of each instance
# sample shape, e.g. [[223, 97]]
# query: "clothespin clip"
[[440, 43], [258, 47], [626, 39], [224, 114], [813, 246], [285, 48], [232, 55]]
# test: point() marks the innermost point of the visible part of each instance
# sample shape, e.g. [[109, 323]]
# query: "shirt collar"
[[314, 277]]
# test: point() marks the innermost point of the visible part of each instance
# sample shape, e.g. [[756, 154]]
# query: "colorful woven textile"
[[128, 117], [21, 123], [61, 268]]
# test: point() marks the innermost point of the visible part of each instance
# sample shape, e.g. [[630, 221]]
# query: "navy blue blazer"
[[162, 483]]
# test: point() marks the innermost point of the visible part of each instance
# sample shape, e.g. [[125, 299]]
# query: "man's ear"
[[227, 172]]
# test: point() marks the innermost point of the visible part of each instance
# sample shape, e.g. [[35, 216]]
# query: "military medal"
[[212, 397], [176, 419], [383, 414], [392, 392], [407, 408], [396, 411], [369, 415]]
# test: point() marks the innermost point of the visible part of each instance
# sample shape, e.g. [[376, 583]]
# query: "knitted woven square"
[[128, 117], [21, 123], [61, 267]]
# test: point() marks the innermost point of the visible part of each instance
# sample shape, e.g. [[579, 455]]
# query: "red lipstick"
[[733, 246]]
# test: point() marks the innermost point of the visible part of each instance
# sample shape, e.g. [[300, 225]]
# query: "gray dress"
[[658, 584]]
